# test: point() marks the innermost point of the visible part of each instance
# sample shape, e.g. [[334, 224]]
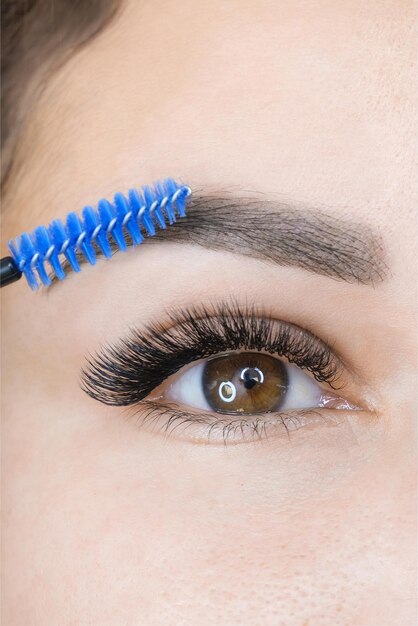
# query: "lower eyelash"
[[210, 428]]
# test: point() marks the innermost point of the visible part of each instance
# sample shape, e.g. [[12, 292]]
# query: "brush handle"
[[9, 272]]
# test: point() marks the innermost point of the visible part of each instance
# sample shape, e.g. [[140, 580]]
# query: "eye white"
[[187, 389]]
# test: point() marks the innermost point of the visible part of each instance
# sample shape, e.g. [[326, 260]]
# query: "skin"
[[105, 522]]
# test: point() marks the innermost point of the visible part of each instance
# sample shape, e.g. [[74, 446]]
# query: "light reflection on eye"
[[227, 391]]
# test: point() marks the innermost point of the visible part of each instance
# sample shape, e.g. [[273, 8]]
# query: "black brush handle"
[[9, 272]]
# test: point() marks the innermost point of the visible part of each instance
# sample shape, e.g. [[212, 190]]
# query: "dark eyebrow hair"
[[281, 233]]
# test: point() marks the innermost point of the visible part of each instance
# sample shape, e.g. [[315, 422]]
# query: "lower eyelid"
[[222, 429]]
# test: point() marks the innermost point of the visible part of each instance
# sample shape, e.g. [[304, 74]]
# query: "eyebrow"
[[281, 233]]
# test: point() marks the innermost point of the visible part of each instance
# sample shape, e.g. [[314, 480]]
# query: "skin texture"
[[105, 522]]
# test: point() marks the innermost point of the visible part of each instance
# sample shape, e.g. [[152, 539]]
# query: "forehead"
[[307, 99]]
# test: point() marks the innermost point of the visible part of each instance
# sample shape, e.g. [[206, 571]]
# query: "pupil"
[[251, 376]]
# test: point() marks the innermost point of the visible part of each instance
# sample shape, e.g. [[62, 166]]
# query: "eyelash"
[[225, 428], [124, 374]]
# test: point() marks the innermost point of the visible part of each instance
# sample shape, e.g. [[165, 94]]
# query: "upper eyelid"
[[176, 318]]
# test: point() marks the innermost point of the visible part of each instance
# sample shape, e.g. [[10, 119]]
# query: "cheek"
[[104, 511]]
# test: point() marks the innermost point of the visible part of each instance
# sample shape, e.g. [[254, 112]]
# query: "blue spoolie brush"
[[136, 215]]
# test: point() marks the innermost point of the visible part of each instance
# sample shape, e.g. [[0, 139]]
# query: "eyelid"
[[208, 428]]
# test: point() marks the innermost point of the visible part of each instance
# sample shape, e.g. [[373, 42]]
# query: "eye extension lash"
[[128, 220], [125, 373]]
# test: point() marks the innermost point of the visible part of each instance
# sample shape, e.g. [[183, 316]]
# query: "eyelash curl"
[[125, 373]]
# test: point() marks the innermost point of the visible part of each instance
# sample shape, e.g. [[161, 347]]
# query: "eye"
[[226, 371], [245, 383]]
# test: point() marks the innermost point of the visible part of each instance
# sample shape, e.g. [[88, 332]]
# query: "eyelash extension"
[[127, 221], [127, 372]]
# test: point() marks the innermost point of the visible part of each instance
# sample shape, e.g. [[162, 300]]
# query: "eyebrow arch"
[[282, 233]]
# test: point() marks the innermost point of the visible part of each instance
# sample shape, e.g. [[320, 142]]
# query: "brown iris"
[[244, 383]]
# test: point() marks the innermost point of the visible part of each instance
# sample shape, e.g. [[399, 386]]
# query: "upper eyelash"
[[127, 372]]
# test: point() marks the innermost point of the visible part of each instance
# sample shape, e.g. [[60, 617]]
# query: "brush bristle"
[[130, 218]]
